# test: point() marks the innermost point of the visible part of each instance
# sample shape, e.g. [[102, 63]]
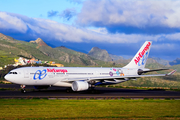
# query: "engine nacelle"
[[140, 72], [80, 85]]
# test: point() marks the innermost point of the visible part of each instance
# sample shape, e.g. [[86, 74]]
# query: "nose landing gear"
[[23, 88]]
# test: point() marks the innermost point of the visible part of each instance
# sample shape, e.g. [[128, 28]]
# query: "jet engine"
[[80, 85]]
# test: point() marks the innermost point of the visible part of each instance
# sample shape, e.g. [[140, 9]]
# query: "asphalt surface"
[[14, 91]]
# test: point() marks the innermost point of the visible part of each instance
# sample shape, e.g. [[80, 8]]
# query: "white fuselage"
[[62, 76]]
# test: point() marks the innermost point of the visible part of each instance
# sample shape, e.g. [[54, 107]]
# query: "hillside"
[[152, 63], [162, 62], [99, 54], [64, 54], [175, 67], [175, 62], [11, 48], [72, 56], [115, 57]]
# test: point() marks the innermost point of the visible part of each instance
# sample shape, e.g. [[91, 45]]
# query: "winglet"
[[171, 73]]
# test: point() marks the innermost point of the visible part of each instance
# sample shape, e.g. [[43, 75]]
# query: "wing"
[[115, 78]]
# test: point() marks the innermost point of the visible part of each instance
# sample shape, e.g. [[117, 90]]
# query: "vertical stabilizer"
[[139, 60]]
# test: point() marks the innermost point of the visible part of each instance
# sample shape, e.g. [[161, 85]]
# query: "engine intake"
[[80, 85]]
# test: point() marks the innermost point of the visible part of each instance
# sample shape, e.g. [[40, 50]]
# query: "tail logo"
[[143, 60], [141, 55]]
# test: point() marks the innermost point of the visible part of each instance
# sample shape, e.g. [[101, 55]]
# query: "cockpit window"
[[12, 72]]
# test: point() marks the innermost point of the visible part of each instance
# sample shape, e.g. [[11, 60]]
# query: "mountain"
[[64, 54], [99, 54], [103, 55], [2, 36], [175, 62], [11, 48], [17, 48], [162, 61], [75, 57], [153, 64], [116, 57], [39, 42], [166, 62]]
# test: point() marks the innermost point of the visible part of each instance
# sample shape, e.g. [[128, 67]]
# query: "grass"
[[165, 82], [143, 88], [88, 109]]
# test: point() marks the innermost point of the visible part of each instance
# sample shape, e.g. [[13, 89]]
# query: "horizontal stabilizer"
[[140, 71]]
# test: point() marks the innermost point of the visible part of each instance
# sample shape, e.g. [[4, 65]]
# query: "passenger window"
[[12, 72]]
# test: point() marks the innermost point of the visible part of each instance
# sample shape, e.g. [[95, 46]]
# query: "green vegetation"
[[12, 48], [165, 82], [176, 67], [89, 109], [6, 58], [143, 88]]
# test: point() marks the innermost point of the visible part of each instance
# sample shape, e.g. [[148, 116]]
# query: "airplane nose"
[[8, 77]]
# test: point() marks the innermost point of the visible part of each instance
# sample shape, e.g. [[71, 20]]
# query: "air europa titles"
[[140, 55], [41, 74], [57, 70]]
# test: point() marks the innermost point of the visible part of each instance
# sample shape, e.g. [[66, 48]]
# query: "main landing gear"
[[69, 90], [23, 88], [92, 87]]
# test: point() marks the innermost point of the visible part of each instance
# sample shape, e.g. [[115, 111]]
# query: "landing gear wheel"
[[69, 90], [92, 90], [23, 88], [23, 91]]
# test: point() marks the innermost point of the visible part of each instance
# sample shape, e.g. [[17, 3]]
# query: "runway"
[[13, 91]]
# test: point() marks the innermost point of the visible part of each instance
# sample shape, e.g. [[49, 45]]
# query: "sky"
[[119, 26]]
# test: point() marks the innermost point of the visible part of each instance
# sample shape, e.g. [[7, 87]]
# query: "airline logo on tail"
[[141, 54]]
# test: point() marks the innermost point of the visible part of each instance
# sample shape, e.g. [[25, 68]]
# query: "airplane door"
[[26, 74]]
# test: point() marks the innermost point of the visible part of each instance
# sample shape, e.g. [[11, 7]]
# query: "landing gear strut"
[[69, 90], [23, 88], [92, 87]]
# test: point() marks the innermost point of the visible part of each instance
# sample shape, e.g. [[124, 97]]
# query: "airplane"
[[83, 78]]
